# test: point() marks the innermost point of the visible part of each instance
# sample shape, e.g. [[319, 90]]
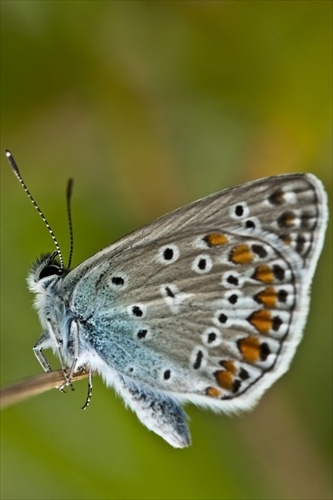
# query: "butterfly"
[[206, 305]]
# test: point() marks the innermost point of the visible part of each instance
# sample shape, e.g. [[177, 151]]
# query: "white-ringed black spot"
[[264, 351], [259, 250], [167, 374], [279, 272], [282, 296], [249, 224], [211, 337], [173, 297], [117, 280], [198, 360], [223, 318], [233, 298], [236, 385], [142, 333], [276, 323], [243, 374], [137, 311], [202, 264], [168, 253], [232, 280], [239, 210], [169, 292]]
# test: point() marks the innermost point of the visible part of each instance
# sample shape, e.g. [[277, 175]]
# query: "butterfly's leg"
[[157, 411], [75, 341], [57, 340], [43, 342]]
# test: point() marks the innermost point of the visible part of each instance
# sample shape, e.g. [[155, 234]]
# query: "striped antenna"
[[16, 171]]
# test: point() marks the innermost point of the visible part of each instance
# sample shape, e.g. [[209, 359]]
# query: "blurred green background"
[[149, 105]]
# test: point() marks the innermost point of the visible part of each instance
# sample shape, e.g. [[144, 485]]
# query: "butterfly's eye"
[[49, 271]]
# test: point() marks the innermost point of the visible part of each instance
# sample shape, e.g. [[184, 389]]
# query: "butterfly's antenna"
[[16, 171], [69, 217]]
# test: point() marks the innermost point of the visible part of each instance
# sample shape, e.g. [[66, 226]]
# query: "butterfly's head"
[[44, 273]]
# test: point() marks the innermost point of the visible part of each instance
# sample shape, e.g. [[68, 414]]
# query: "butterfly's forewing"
[[207, 303]]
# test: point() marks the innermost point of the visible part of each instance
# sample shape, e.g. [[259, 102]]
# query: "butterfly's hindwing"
[[207, 302]]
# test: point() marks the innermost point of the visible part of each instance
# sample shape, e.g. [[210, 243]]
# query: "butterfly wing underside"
[[208, 303]]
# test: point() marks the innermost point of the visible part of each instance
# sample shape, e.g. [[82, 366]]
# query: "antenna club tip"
[[12, 162]]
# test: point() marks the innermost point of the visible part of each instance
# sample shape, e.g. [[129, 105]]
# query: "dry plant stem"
[[29, 387]]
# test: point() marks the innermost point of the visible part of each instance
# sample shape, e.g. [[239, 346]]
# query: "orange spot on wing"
[[241, 254], [268, 297], [213, 392], [261, 320], [264, 273], [225, 379], [229, 366], [215, 239], [250, 349]]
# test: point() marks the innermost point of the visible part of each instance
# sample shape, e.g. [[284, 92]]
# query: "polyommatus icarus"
[[205, 305]]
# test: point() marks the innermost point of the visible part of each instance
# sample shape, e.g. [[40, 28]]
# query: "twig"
[[19, 391]]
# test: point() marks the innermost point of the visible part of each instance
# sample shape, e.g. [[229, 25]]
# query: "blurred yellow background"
[[149, 105]]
